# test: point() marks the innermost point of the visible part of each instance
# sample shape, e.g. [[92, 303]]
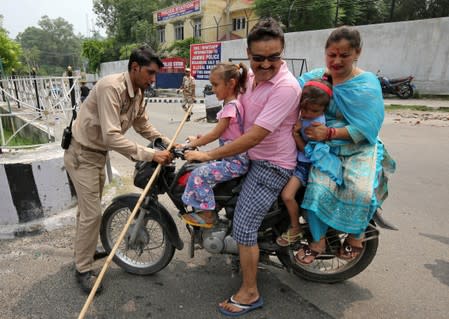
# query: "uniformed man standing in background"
[[188, 90]]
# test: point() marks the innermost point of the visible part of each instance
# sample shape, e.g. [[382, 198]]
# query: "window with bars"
[[161, 33], [238, 23], [179, 31], [197, 28]]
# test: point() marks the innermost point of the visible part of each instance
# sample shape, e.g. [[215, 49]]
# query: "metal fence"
[[45, 103]]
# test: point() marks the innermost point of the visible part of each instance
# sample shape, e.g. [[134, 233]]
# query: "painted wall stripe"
[[24, 192], [8, 211], [52, 185]]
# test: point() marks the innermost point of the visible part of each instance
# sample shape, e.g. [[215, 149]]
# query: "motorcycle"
[[152, 237], [402, 87]]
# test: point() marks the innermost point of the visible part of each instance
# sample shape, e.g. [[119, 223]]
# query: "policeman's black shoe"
[[87, 280], [100, 253], [188, 118]]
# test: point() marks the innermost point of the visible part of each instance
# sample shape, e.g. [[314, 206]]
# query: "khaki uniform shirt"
[[188, 86], [109, 111]]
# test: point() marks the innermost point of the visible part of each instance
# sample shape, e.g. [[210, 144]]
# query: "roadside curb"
[[39, 226], [172, 100], [55, 221], [431, 104]]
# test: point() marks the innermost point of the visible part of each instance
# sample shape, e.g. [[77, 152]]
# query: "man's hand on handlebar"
[[162, 157]]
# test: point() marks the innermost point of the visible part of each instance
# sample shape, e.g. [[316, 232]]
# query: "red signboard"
[[203, 58], [179, 10], [173, 65]]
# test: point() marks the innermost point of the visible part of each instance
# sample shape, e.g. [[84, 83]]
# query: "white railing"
[[42, 102]]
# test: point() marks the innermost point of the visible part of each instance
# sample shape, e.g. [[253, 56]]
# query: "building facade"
[[207, 20]]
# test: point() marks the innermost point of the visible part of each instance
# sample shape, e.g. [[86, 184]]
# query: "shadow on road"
[[179, 291]]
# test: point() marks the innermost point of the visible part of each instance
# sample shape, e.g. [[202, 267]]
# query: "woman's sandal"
[[286, 238], [306, 252], [349, 252]]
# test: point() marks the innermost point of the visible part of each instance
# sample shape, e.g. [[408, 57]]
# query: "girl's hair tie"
[[321, 86]]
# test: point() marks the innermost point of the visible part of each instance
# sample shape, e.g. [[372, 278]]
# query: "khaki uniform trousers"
[[86, 170]]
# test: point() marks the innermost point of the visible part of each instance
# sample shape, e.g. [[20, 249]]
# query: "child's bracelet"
[[331, 132]]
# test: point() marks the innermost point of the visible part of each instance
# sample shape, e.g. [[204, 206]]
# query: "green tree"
[[53, 44], [349, 12], [10, 52], [297, 15], [181, 48], [420, 9], [128, 21], [375, 11], [98, 51]]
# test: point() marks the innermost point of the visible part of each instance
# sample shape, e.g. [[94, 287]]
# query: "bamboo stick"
[[130, 219]]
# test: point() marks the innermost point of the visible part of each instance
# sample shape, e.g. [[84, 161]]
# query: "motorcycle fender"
[[154, 207]]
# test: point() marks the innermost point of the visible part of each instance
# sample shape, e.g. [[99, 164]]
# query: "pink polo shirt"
[[273, 105]]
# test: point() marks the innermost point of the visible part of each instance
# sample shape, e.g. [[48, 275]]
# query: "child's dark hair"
[[228, 71], [316, 91]]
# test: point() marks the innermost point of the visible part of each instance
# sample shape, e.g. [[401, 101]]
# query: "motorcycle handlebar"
[[179, 152]]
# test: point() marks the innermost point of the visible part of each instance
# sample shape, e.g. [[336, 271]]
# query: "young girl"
[[315, 98], [228, 80]]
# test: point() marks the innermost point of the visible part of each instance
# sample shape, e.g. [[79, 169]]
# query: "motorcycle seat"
[[398, 80]]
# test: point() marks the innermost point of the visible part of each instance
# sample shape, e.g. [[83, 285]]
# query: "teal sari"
[[348, 203]]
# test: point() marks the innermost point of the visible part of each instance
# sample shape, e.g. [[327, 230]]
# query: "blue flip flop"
[[245, 307]]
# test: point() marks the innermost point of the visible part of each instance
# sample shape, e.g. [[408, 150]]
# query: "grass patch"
[[17, 140], [397, 107]]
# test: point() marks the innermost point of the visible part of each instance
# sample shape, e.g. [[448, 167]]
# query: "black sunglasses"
[[270, 58]]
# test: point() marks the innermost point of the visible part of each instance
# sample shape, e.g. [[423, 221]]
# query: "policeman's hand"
[[197, 156], [162, 157], [316, 131]]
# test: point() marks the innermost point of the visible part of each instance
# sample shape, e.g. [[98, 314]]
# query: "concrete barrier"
[[34, 184]]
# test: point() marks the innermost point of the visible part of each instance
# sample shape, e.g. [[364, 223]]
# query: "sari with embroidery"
[[362, 162]]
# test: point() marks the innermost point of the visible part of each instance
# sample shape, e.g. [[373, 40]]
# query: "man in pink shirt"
[[271, 104]]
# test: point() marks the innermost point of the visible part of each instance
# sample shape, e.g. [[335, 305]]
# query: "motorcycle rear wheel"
[[153, 251], [404, 91], [329, 268]]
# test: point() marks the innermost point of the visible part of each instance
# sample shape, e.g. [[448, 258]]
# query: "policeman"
[[115, 104], [188, 90]]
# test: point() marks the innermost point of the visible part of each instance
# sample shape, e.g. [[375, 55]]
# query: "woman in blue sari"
[[347, 182]]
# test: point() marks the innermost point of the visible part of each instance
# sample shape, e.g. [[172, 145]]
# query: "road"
[[409, 278]]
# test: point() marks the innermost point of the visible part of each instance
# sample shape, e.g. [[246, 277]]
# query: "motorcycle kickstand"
[[194, 235], [235, 265]]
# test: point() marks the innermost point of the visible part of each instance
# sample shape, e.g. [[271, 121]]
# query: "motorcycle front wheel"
[[150, 252], [404, 91], [328, 268]]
